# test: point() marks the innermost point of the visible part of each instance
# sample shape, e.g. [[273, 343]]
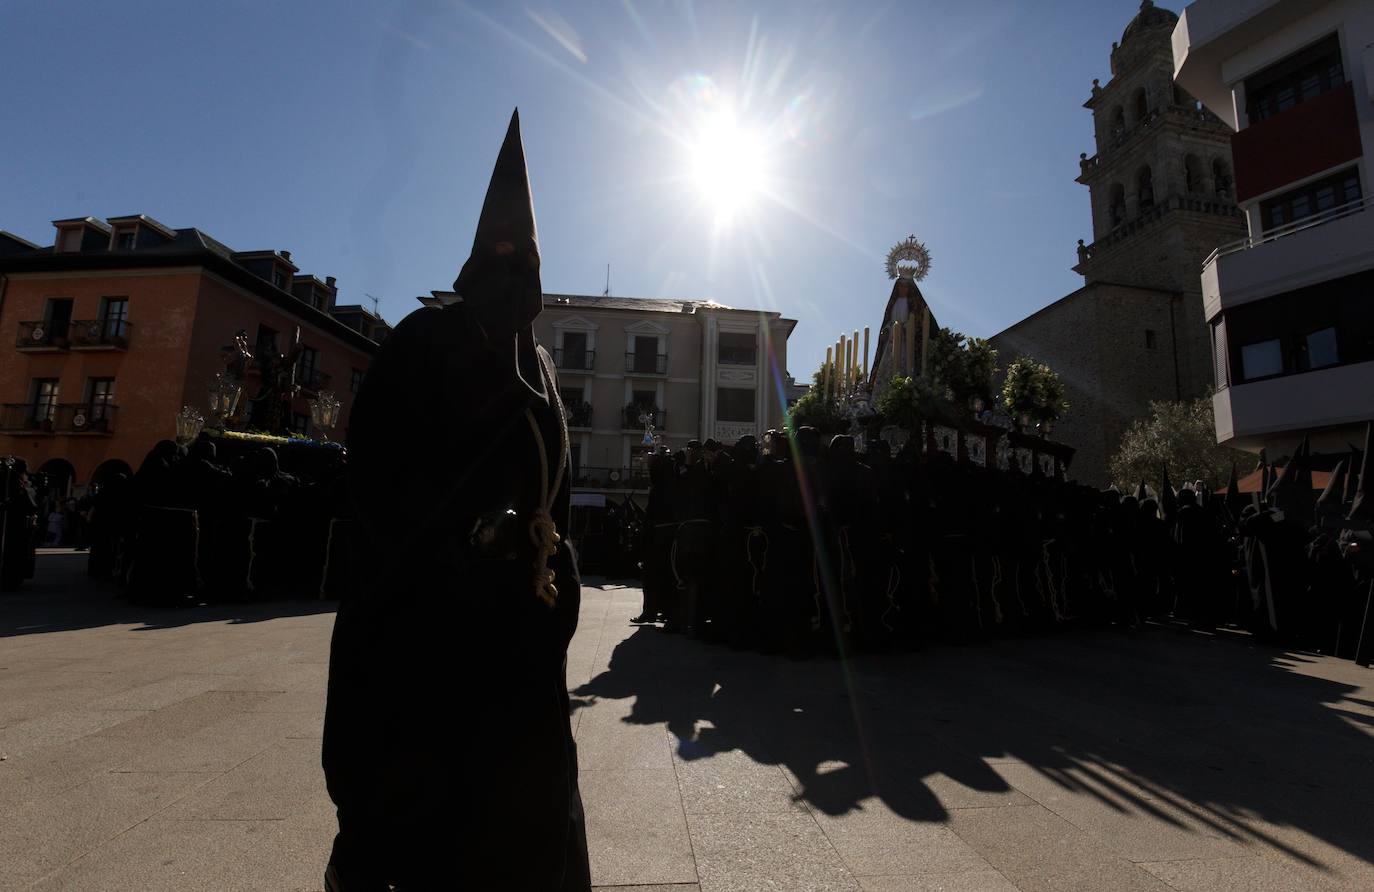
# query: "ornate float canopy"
[[908, 260]]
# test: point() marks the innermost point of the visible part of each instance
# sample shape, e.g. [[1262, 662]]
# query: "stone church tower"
[[1163, 199], [1160, 182]]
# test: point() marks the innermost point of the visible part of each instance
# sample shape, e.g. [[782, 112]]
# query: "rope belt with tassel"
[[542, 529]]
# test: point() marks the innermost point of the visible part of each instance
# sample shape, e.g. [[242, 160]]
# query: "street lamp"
[[189, 425], [225, 392], [324, 412]]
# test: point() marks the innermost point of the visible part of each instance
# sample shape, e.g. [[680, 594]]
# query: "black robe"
[[447, 745]]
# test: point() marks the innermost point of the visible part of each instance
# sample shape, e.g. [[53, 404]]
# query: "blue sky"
[[762, 155]]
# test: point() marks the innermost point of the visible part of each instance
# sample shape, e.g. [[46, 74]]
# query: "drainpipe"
[[1173, 343]]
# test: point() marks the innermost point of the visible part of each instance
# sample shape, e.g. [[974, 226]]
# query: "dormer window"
[[124, 239], [70, 240], [279, 277]]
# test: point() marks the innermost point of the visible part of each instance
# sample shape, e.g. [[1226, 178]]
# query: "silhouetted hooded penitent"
[[1263, 467], [459, 576], [1141, 493]]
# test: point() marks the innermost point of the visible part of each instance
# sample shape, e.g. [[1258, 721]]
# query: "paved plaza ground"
[[179, 750]]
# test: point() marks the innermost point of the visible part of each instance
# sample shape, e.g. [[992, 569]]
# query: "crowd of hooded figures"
[[804, 547], [186, 529]]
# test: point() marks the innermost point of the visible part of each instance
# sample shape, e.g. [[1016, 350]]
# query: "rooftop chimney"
[[285, 255], [329, 282]]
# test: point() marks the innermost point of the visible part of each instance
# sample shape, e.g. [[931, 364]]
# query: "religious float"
[[238, 426], [934, 390]]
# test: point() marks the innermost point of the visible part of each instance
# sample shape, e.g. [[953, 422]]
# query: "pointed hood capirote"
[[503, 268], [1168, 499], [1353, 463], [1329, 502], [1362, 505]]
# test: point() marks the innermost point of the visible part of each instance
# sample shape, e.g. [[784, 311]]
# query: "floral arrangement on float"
[[293, 440], [1033, 395], [824, 410], [957, 383]]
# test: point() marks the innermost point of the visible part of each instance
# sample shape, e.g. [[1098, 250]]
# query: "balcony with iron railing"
[[63, 418], [42, 335], [27, 418], [100, 334], [1336, 242], [635, 413], [579, 413], [646, 363], [611, 478], [85, 418], [574, 360]]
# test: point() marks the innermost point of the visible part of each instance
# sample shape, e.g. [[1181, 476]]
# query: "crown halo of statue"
[[909, 259]]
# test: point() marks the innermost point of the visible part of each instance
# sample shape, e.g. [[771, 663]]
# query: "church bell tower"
[[1161, 182]]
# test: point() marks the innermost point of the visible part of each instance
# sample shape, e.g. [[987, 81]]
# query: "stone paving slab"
[[179, 750]]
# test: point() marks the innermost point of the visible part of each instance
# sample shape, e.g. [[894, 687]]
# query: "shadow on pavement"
[[61, 597], [1155, 722]]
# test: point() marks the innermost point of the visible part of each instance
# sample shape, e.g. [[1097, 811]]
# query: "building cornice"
[[1173, 119], [336, 330], [95, 264]]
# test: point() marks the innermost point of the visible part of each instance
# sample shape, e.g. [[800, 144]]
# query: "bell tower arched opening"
[[1145, 187]]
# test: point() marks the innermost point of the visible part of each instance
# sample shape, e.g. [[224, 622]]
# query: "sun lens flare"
[[728, 168]]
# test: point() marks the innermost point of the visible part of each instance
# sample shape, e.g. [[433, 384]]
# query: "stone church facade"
[[1163, 198]]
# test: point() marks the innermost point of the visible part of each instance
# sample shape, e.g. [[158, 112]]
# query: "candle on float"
[[835, 369], [848, 361], [925, 340], [841, 363], [895, 349], [865, 352], [827, 373]]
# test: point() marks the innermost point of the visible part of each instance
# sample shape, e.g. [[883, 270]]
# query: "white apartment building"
[[693, 369], [1291, 306]]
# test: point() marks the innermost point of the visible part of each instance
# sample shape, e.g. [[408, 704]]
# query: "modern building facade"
[[1162, 191], [1288, 306], [691, 369], [121, 322]]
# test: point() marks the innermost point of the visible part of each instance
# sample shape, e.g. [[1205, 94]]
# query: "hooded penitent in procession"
[[447, 746]]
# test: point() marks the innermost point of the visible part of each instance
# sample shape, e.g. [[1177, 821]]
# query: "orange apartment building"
[[120, 322]]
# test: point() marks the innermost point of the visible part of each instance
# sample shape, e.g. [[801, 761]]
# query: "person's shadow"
[[1154, 720]]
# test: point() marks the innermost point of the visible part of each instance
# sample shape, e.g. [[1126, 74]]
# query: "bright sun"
[[728, 166]]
